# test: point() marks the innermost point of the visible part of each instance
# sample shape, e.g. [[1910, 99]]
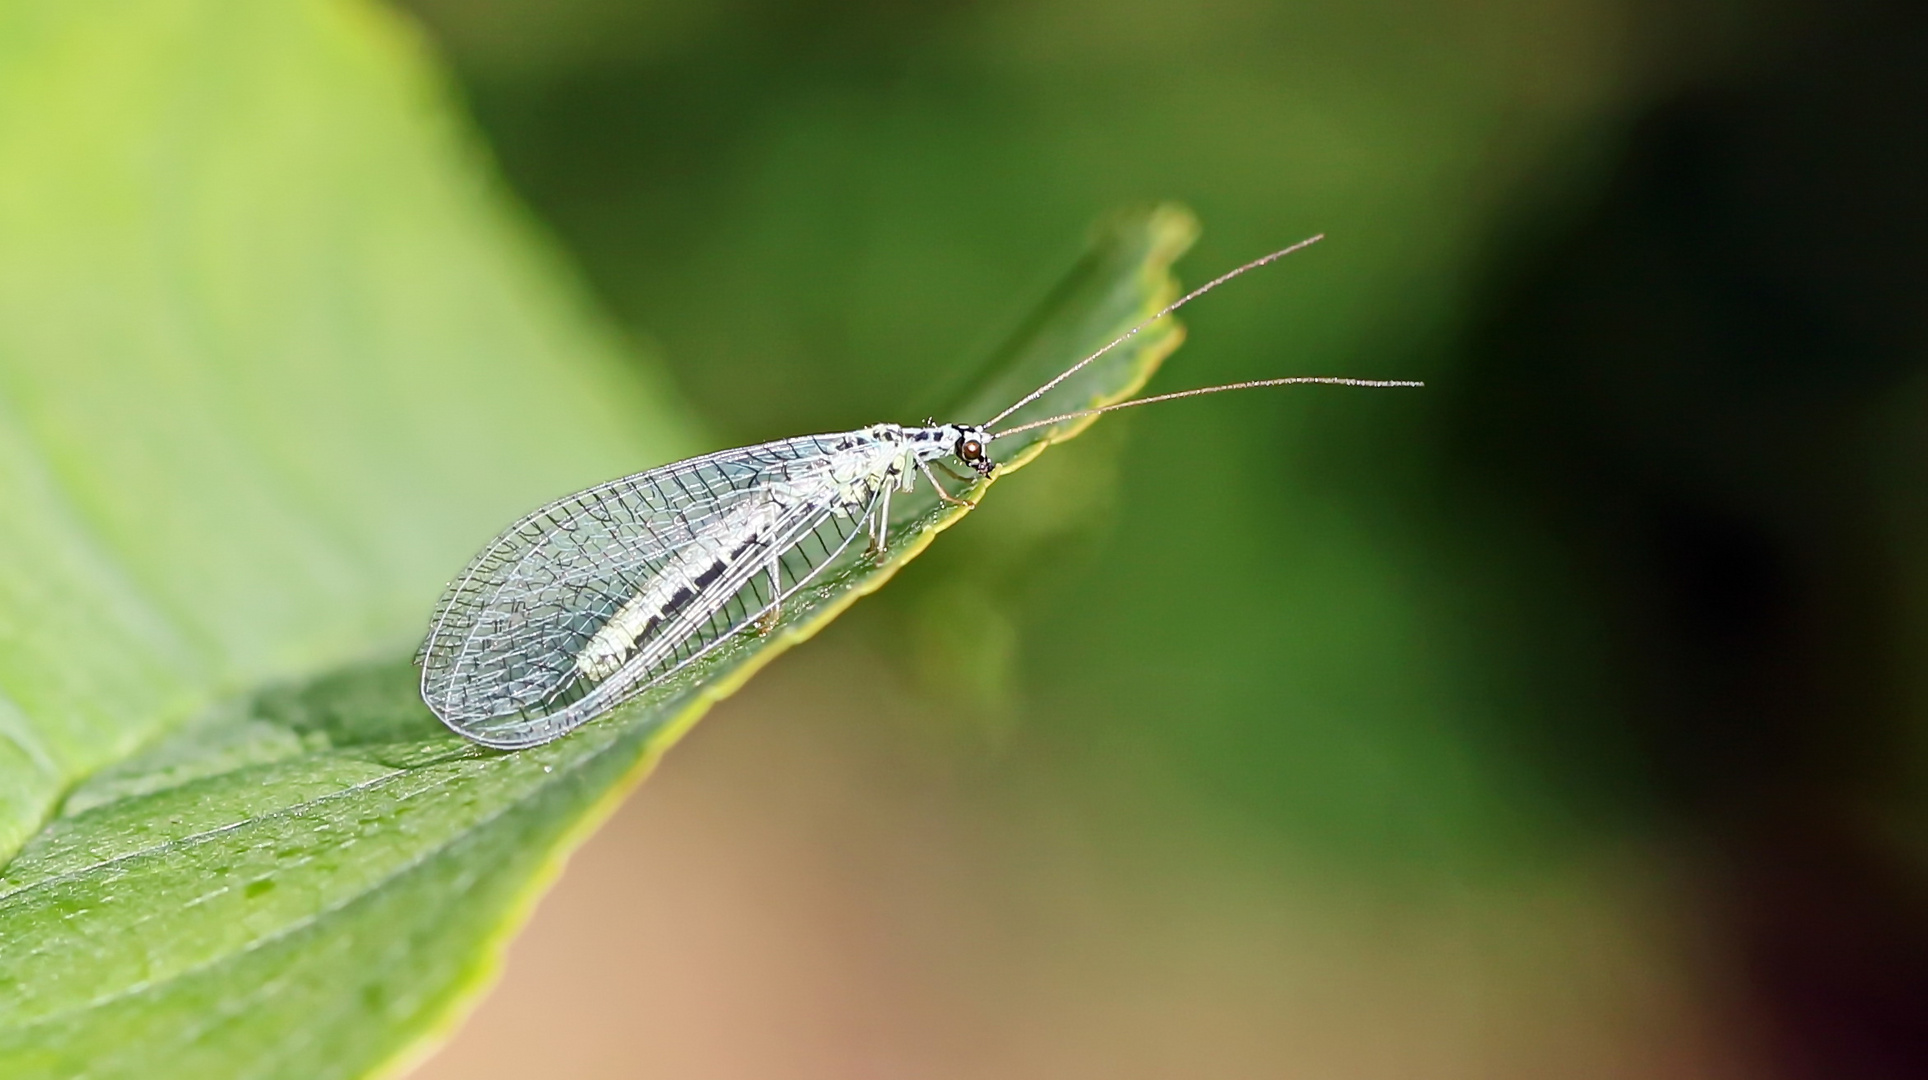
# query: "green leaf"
[[272, 356], [274, 360]]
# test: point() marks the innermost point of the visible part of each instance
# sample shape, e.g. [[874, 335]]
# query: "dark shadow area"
[[365, 704], [1689, 389]]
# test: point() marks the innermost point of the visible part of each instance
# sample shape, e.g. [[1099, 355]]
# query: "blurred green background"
[[1589, 673], [822, 214], [1564, 718]]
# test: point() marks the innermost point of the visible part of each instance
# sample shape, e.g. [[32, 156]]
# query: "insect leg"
[[768, 621], [880, 523], [953, 473], [941, 493]]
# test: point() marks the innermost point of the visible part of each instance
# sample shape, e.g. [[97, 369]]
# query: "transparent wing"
[[500, 661], [809, 539]]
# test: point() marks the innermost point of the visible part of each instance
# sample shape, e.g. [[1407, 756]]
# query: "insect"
[[603, 594]]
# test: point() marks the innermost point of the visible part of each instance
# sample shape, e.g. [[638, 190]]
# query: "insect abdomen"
[[738, 535]]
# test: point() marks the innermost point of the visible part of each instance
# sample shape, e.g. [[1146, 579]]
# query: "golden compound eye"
[[972, 450]]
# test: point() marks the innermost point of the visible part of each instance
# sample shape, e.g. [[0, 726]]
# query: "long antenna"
[[1129, 334], [1331, 380]]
